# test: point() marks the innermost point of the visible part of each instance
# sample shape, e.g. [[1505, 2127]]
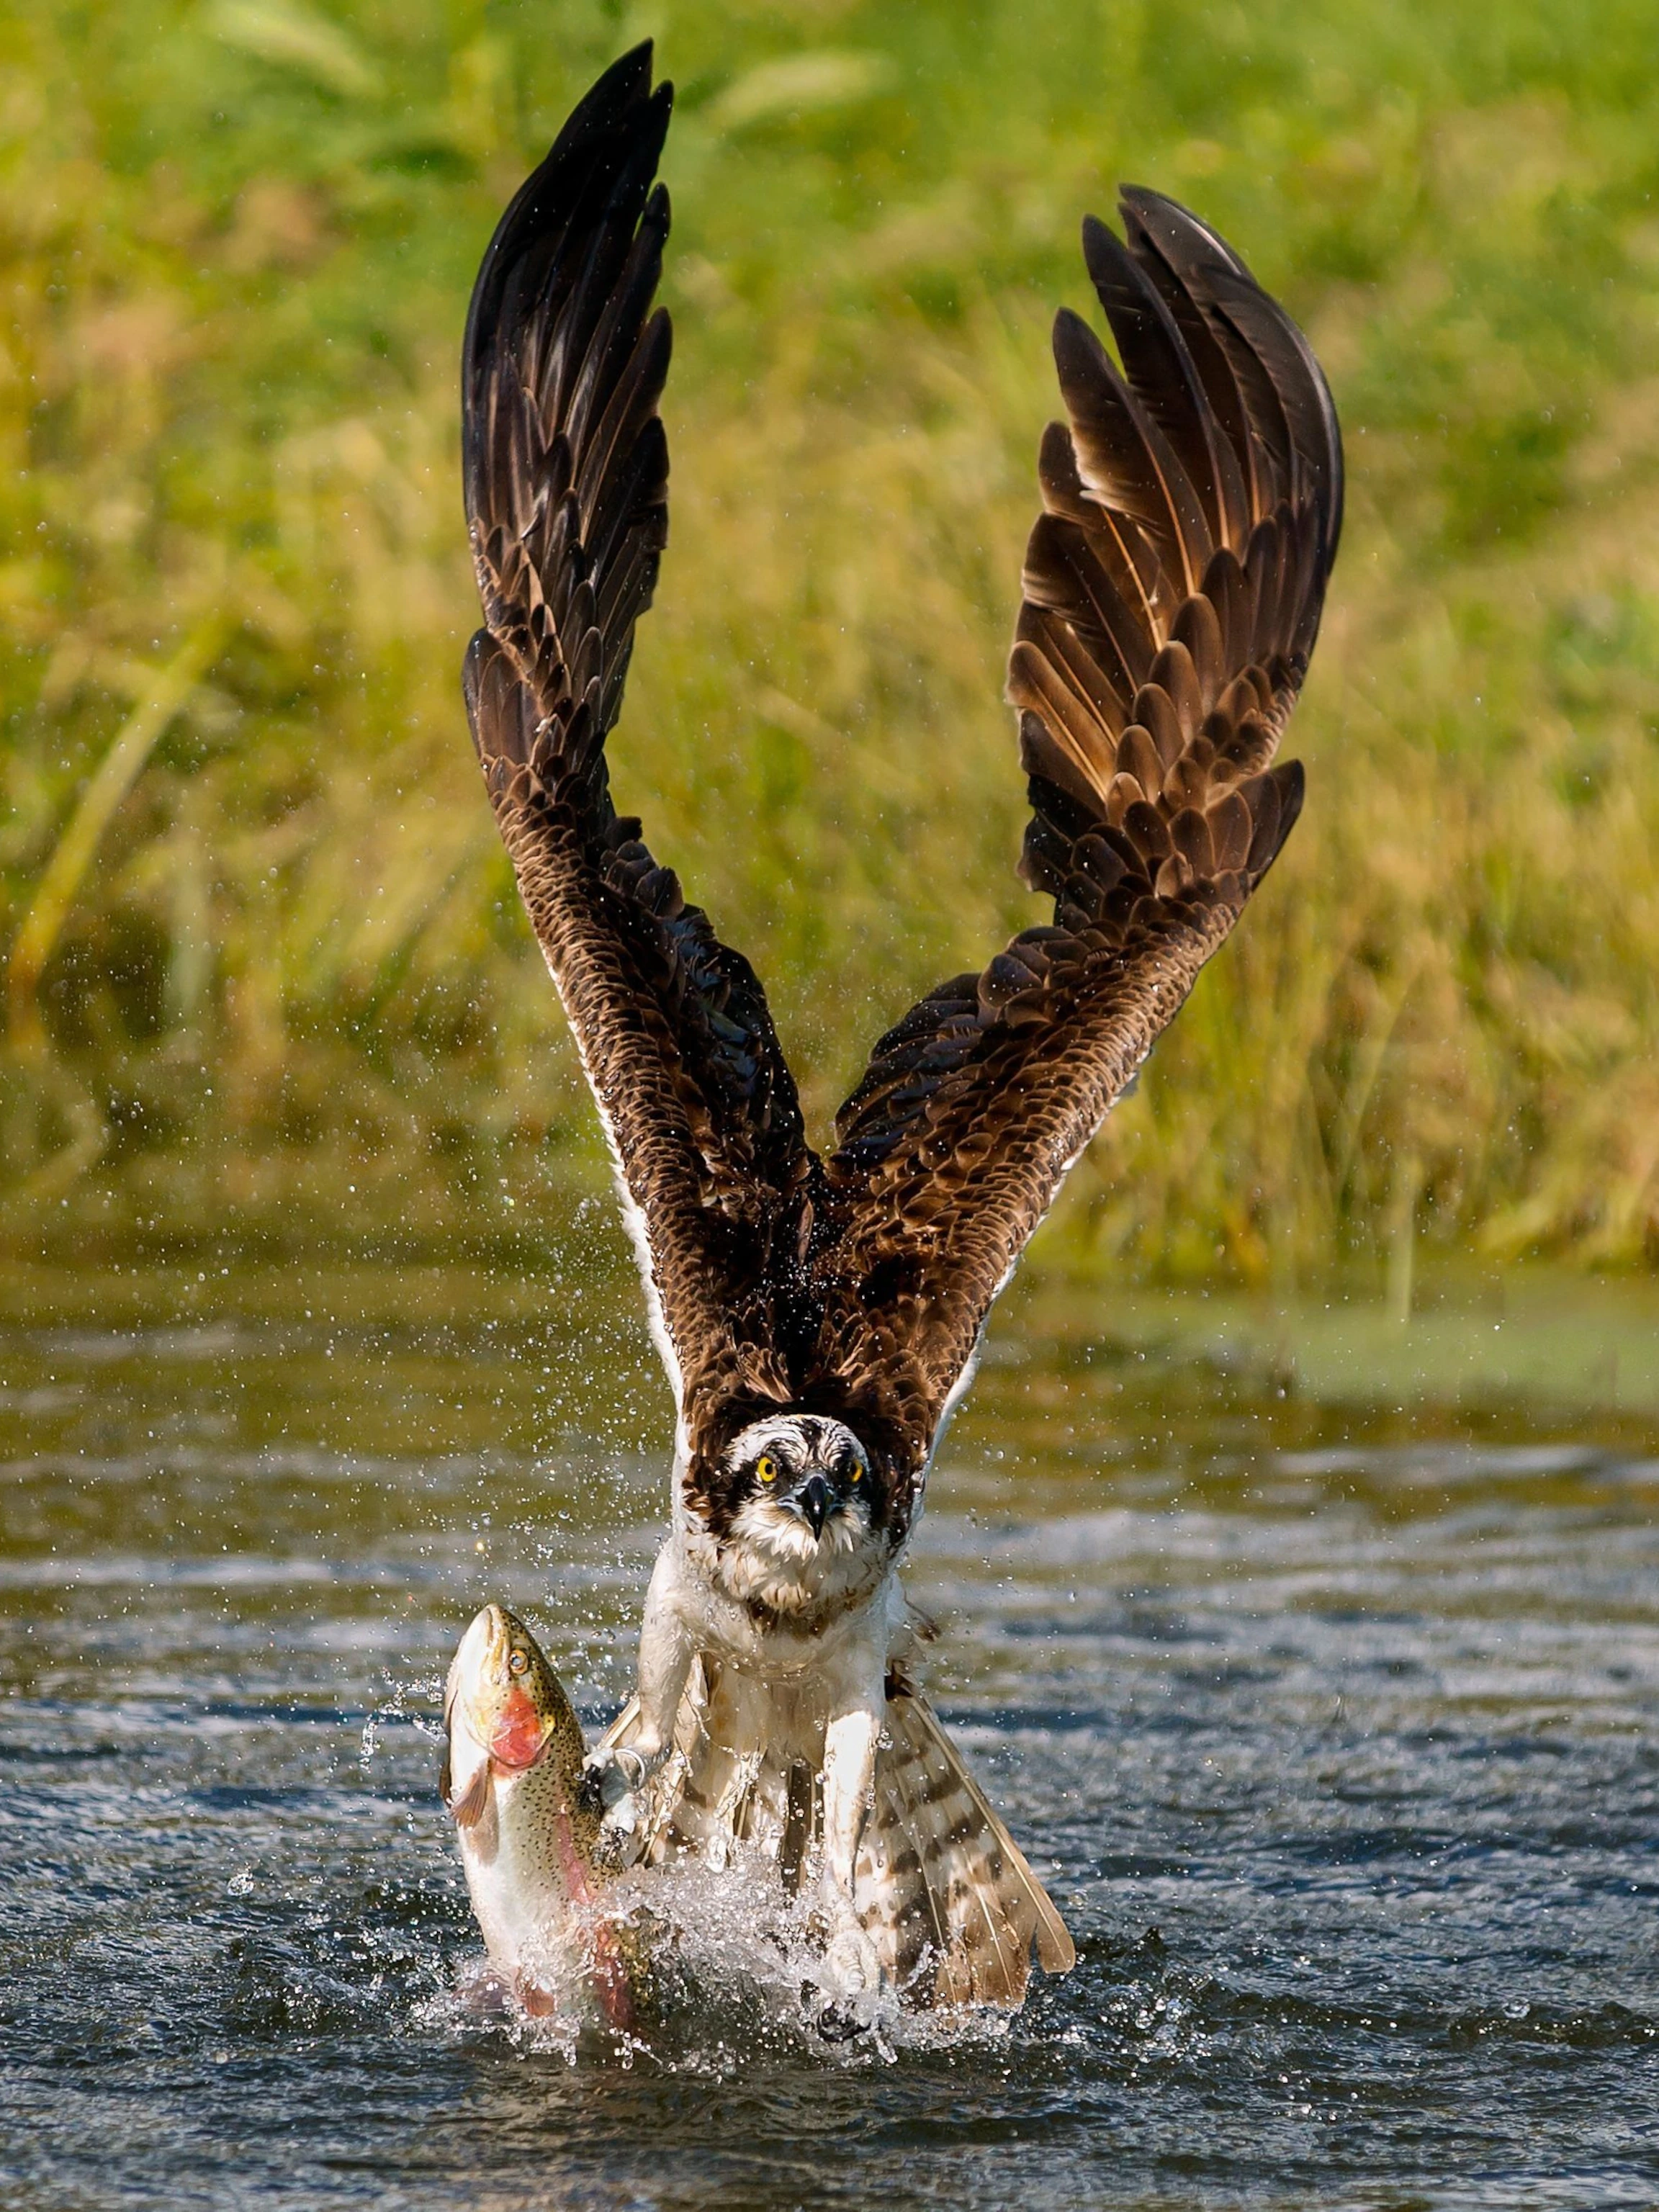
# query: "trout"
[[512, 1780]]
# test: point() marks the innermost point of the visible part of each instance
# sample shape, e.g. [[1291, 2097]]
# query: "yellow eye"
[[858, 1470], [767, 1467], [516, 1662]]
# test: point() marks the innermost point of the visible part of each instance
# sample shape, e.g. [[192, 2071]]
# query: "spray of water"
[[726, 1965]]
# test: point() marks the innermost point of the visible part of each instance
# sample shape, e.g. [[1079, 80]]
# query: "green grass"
[[264, 961]]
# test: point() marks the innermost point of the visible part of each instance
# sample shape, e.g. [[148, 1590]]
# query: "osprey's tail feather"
[[945, 1894], [941, 1884]]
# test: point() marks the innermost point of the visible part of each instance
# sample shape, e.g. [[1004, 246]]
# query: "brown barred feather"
[[945, 1894]]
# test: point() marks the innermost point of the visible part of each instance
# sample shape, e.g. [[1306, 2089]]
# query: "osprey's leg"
[[849, 1774], [665, 1654]]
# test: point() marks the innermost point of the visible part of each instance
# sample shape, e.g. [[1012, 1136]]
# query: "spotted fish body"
[[513, 1782]]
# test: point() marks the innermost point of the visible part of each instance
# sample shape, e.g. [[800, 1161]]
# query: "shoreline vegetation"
[[265, 969]]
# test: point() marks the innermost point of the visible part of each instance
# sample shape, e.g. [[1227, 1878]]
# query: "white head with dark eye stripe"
[[806, 1519]]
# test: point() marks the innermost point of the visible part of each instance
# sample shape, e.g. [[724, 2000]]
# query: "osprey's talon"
[[834, 2022], [611, 1775], [852, 1966], [611, 1781]]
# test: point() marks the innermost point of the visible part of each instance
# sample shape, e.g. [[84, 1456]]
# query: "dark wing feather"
[[566, 473], [1172, 592]]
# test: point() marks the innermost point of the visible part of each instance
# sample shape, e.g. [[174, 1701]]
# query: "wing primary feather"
[[1162, 374], [1177, 251], [1124, 459]]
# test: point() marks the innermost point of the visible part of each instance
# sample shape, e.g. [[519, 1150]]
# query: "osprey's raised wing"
[[567, 476], [1172, 592]]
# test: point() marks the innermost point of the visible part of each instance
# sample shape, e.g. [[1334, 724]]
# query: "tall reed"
[[264, 962]]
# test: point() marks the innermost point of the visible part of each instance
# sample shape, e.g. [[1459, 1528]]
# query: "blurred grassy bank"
[[264, 964]]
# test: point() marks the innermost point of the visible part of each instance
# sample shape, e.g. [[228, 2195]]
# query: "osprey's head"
[[803, 1515]]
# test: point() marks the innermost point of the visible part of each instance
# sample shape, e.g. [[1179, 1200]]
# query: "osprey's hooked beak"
[[812, 1502]]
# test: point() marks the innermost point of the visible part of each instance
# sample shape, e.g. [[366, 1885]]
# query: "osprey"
[[819, 1314]]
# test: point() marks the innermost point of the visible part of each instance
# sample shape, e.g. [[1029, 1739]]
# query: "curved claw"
[[611, 1779], [832, 2021], [613, 1775], [851, 1966]]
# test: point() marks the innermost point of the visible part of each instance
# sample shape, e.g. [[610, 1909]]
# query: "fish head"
[[505, 1711], [512, 1780]]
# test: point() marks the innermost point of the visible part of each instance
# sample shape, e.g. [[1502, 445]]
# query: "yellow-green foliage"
[[263, 945]]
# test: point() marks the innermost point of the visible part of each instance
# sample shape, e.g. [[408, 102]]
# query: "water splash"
[[731, 1968]]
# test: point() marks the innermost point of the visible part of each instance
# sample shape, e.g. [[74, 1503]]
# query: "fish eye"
[[516, 1662], [767, 1467]]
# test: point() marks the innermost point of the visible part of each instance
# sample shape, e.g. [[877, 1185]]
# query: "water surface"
[[1327, 1713]]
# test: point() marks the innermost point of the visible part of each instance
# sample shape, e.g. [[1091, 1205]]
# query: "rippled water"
[[1331, 1721]]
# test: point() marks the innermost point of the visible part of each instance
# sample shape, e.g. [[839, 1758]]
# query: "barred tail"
[[946, 1895], [945, 1891]]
